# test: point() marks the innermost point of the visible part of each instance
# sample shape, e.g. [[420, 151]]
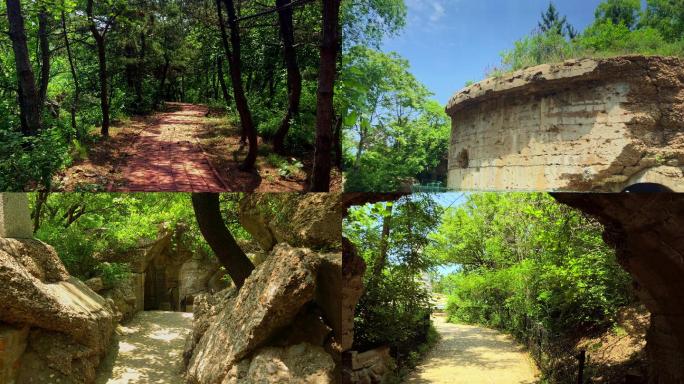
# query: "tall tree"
[[29, 98], [234, 62], [100, 42], [619, 12], [44, 43], [218, 236], [320, 178], [72, 69], [294, 77], [552, 22]]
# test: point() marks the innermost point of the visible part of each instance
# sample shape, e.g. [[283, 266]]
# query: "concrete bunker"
[[580, 125]]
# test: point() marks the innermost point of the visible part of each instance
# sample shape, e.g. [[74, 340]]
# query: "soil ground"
[[469, 354], [184, 148], [149, 349]]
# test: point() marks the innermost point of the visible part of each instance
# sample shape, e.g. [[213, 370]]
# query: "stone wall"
[[369, 367], [581, 125], [53, 327], [646, 231]]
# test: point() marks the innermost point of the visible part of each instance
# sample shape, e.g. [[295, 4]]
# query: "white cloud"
[[432, 10]]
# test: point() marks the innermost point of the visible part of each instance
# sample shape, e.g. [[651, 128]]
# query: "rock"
[[70, 325], [13, 343], [269, 300], [35, 257], [15, 218], [312, 220], [301, 363], [96, 284], [353, 268], [329, 290]]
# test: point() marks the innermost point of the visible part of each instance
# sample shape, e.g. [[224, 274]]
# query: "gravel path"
[[149, 350], [468, 354]]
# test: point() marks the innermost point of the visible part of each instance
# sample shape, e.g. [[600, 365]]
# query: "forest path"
[[167, 156], [150, 349], [474, 355]]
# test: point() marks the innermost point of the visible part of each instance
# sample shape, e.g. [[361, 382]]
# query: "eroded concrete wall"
[[583, 125]]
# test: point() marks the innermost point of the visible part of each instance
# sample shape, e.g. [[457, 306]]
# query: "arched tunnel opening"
[[646, 232], [647, 188]]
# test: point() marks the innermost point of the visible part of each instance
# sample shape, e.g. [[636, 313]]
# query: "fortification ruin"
[[581, 125]]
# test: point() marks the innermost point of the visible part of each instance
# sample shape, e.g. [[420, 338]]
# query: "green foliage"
[[620, 28], [95, 233], [625, 12], [526, 260], [30, 161], [395, 308], [394, 132], [112, 273]]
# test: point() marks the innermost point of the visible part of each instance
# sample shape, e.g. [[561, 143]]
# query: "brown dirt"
[[149, 350], [469, 354], [184, 148]]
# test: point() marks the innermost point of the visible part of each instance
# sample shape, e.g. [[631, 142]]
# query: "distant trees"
[[552, 22], [620, 27]]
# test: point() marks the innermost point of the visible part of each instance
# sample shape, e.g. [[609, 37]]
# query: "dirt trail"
[[149, 350], [166, 155], [474, 355]]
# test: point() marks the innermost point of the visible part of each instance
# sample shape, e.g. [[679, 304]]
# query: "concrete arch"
[[646, 231]]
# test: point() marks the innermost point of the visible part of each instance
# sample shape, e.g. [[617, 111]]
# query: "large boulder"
[[69, 326], [267, 303], [301, 363], [313, 220]]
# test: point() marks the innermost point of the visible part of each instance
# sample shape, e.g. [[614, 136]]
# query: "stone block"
[[15, 218]]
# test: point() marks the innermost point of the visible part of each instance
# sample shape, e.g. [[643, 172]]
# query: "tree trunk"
[[29, 101], [41, 198], [72, 68], [294, 77], [219, 238], [248, 129], [43, 21], [140, 70], [162, 83], [320, 178], [384, 242], [104, 93], [337, 139], [222, 80], [102, 62]]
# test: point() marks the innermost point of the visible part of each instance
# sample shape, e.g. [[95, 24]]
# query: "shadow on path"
[[474, 355], [148, 349]]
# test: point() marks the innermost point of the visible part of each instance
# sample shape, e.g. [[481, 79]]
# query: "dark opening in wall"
[[462, 158], [646, 188]]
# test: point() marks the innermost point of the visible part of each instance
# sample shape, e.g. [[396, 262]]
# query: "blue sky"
[[449, 42]]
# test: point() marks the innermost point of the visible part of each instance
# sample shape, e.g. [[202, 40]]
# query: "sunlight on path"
[[167, 156], [474, 355], [150, 350]]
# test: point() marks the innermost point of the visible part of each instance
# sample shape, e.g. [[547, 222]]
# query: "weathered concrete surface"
[[15, 219], [646, 231], [581, 125], [68, 326], [313, 220]]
